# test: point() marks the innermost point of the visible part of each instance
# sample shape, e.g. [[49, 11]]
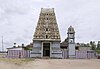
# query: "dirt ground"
[[51, 64]]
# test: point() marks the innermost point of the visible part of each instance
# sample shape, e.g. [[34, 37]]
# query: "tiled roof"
[[64, 44]]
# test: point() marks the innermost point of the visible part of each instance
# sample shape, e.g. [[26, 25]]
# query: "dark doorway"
[[46, 49]]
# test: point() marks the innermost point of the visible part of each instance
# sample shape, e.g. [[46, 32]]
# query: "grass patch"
[[98, 51]]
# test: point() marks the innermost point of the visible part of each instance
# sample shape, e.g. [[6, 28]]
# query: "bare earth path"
[[54, 64]]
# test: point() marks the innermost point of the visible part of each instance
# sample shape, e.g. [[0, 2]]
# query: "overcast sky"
[[18, 19]]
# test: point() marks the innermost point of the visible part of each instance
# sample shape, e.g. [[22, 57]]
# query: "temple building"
[[47, 42], [46, 39]]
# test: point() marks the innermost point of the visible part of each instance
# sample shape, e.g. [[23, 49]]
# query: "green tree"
[[98, 45], [93, 45]]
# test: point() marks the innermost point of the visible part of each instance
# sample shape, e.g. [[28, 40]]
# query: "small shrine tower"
[[71, 42]]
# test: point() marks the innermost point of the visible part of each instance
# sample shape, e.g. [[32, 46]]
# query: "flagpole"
[[2, 44]]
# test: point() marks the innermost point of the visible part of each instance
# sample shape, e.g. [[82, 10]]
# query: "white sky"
[[18, 19]]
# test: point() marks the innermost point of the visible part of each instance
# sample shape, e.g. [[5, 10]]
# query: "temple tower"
[[46, 39], [71, 42]]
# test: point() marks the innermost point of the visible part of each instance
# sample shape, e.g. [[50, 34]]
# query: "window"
[[71, 40], [46, 29], [46, 36], [47, 18]]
